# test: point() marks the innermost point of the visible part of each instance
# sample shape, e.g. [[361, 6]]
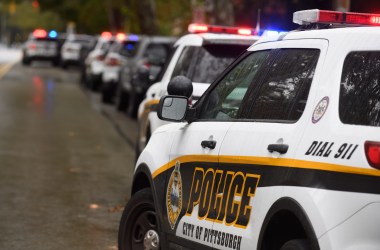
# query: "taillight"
[[112, 62], [32, 46], [372, 152]]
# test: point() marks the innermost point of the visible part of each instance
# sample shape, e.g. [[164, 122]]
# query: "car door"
[[194, 159], [259, 147]]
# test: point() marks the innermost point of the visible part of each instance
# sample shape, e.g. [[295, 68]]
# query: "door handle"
[[208, 144], [280, 148]]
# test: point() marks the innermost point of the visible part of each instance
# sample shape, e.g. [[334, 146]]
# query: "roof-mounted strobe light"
[[106, 35], [133, 37], [53, 34], [121, 36], [202, 28], [39, 33], [307, 17]]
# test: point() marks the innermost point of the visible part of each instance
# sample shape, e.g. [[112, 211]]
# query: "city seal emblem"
[[174, 196]]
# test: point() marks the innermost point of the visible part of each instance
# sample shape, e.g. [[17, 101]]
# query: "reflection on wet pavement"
[[64, 170]]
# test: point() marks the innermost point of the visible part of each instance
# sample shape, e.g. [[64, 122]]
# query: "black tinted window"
[[223, 102], [157, 53], [204, 64], [359, 101], [129, 48], [284, 85], [183, 64], [265, 85]]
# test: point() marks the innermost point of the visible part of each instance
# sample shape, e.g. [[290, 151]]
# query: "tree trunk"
[[146, 12], [223, 13]]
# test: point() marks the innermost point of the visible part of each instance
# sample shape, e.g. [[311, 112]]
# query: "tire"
[[56, 62], [139, 223], [26, 61], [122, 101], [106, 95], [299, 244], [64, 65]]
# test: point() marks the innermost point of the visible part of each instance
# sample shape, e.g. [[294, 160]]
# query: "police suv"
[[281, 152], [200, 56], [41, 45]]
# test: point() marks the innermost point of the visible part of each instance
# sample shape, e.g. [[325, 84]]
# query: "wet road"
[[66, 162]]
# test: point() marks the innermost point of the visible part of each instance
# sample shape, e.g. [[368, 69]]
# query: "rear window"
[[129, 48], [204, 64], [359, 102]]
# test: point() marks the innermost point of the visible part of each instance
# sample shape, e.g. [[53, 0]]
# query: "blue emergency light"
[[53, 34], [133, 38]]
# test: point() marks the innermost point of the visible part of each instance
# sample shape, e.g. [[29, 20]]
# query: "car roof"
[[199, 39], [347, 34]]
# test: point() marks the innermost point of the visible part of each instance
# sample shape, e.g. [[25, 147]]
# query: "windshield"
[[204, 64]]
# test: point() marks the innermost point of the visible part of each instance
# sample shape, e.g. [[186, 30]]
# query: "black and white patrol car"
[[281, 152]]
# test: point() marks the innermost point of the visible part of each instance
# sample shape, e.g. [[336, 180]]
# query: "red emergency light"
[[203, 28], [306, 17], [39, 33], [106, 34]]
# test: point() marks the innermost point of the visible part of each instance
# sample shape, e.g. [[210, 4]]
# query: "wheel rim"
[[144, 231], [151, 240]]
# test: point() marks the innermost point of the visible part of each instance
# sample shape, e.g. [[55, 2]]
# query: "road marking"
[[5, 68]]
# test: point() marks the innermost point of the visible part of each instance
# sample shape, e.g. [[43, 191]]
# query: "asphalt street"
[[66, 162]]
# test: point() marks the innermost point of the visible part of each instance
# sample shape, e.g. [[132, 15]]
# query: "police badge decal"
[[174, 196]]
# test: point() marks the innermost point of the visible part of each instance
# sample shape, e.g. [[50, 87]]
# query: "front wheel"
[[299, 244], [139, 228]]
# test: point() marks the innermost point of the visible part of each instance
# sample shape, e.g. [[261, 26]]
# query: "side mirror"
[[173, 108], [180, 86]]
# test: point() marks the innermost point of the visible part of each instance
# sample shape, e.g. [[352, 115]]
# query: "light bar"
[[134, 38], [306, 17], [106, 34], [39, 33], [53, 34], [121, 36], [202, 28]]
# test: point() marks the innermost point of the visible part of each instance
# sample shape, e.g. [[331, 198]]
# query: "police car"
[[200, 56], [281, 152], [41, 45], [123, 49], [94, 62], [71, 49]]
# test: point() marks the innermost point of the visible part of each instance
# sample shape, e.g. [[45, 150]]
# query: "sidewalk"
[[9, 55]]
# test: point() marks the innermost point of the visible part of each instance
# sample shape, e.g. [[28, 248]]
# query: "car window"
[[284, 86], [204, 64], [129, 48], [278, 82], [157, 53], [359, 101], [184, 61], [225, 99]]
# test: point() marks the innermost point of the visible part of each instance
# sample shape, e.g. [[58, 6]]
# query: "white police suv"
[[281, 152], [200, 56], [41, 45]]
